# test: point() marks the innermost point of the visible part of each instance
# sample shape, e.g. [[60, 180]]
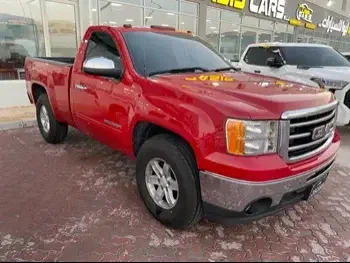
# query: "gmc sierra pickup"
[[208, 139]]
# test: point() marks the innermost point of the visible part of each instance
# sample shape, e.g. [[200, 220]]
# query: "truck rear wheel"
[[167, 179], [51, 130]]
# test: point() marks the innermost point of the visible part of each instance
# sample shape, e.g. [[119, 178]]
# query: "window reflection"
[[231, 17], [21, 35], [248, 37], [280, 32], [264, 37], [212, 33], [171, 5], [117, 15], [230, 40], [250, 21], [134, 2], [266, 24], [155, 17], [62, 26], [189, 8], [188, 23], [89, 14], [213, 14]]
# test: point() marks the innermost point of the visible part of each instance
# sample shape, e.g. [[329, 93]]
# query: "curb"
[[17, 124]]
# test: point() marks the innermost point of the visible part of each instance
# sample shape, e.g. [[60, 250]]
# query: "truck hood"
[[246, 94]]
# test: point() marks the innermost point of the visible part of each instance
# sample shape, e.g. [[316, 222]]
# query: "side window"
[[102, 44], [259, 55]]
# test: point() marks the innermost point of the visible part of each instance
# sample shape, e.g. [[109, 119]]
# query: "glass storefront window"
[[155, 17], [188, 23], [335, 44], [21, 35], [89, 15], [189, 8], [280, 32], [266, 24], [170, 5], [213, 14], [230, 40], [264, 37], [120, 15], [62, 26], [231, 17], [133, 2], [248, 37], [250, 21], [212, 33]]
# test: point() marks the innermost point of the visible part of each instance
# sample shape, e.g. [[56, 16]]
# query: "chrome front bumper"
[[237, 195]]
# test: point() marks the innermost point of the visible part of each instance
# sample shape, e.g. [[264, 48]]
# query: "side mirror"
[[274, 62], [101, 66]]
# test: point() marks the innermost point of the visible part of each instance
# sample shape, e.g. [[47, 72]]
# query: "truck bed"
[[54, 75]]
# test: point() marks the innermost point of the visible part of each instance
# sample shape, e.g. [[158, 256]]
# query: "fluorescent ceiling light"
[[182, 23], [149, 17], [129, 20], [117, 5], [208, 20], [94, 10], [165, 25], [112, 22], [212, 27], [329, 3], [170, 14]]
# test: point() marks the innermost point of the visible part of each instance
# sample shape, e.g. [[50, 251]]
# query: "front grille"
[[310, 133], [347, 99]]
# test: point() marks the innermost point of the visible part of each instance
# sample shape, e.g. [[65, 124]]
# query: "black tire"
[[188, 209], [57, 131]]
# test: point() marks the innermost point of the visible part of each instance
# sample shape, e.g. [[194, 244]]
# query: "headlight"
[[335, 84], [330, 84], [251, 137]]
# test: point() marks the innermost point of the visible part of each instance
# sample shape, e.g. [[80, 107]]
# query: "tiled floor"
[[78, 201]]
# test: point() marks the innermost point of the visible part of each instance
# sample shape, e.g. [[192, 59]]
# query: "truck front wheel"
[[167, 179], [51, 130]]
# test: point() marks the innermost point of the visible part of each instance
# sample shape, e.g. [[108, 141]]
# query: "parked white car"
[[310, 64]]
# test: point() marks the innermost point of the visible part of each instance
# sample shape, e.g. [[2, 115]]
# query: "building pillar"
[[202, 20]]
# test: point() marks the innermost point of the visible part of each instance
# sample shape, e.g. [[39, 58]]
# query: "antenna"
[[144, 59]]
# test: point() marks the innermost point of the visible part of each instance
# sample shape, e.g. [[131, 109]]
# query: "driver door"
[[256, 58], [92, 95]]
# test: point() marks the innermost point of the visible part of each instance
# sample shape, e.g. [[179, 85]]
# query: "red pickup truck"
[[209, 140]]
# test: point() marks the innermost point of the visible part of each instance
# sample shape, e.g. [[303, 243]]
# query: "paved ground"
[[22, 113], [78, 201]]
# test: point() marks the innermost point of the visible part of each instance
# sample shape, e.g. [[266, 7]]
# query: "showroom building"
[[55, 27]]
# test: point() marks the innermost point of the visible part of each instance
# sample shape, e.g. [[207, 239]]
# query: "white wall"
[[13, 94]]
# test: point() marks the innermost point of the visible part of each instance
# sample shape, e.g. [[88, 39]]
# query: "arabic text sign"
[[330, 24]]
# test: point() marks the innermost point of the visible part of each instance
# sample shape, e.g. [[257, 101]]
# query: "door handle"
[[81, 87], [257, 71]]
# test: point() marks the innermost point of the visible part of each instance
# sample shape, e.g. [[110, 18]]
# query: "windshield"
[[154, 52], [314, 57]]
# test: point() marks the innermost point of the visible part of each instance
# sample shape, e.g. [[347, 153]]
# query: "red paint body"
[[195, 110]]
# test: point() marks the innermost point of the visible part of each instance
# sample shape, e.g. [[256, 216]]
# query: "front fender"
[[186, 120]]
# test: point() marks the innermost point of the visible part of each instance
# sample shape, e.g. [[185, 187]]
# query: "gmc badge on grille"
[[321, 131]]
